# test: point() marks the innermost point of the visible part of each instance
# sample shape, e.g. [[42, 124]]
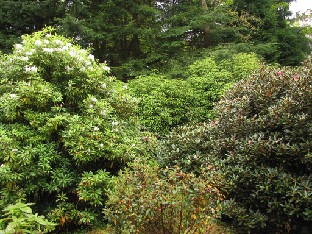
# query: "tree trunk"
[[206, 27]]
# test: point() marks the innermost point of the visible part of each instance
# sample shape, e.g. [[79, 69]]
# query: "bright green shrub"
[[258, 151], [148, 199], [163, 103], [63, 121], [209, 79], [19, 218], [167, 103]]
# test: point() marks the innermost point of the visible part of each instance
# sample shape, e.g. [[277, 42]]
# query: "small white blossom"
[[18, 46], [124, 87], [88, 63], [2, 165], [104, 85], [68, 44], [48, 50], [96, 129], [91, 56], [48, 35], [103, 112], [29, 53], [93, 99], [24, 58], [64, 48], [115, 123], [90, 106], [46, 42], [72, 53], [31, 69], [106, 68], [38, 42], [14, 150], [13, 95], [101, 145], [58, 42]]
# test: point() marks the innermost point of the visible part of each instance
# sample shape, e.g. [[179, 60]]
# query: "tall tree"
[[290, 45], [23, 17], [117, 30]]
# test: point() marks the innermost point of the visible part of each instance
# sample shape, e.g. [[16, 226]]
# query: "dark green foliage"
[[124, 40], [148, 199], [258, 151], [294, 46], [21, 17], [288, 45], [147, 35]]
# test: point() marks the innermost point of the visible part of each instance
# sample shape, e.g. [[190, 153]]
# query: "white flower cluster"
[[48, 50], [24, 58], [93, 99], [96, 128], [38, 43], [13, 95], [103, 112], [18, 47], [31, 69], [106, 68], [115, 123], [51, 44]]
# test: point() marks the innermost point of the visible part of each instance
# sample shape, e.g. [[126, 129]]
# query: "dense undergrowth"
[[227, 150]]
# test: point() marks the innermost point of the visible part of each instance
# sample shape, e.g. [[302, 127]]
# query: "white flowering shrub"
[[61, 116]]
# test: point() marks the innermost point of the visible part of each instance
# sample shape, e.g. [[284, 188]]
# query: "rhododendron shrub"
[[148, 199], [64, 123], [258, 150]]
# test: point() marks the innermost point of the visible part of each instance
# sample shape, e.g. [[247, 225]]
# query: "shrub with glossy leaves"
[[258, 151], [148, 199], [63, 120]]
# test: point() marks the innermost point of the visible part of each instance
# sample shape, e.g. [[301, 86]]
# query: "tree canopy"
[[146, 33]]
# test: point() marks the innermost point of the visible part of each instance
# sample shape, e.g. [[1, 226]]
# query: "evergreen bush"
[[258, 150]]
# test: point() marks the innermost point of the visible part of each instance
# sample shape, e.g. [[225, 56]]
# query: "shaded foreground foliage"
[[148, 199]]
